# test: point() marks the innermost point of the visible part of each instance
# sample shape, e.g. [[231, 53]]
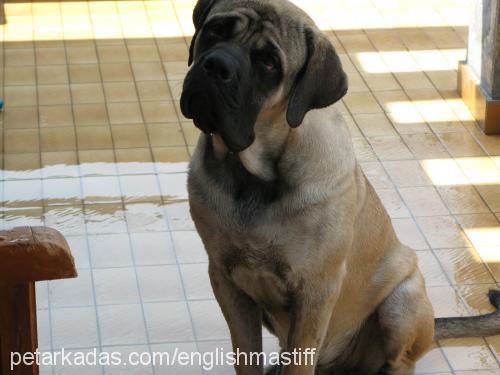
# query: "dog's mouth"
[[217, 111]]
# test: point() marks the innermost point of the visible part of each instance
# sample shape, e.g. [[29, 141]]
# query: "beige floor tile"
[[443, 232], [423, 201], [120, 92], [425, 146], [19, 75], [21, 118], [134, 161], [377, 175], [129, 136], [431, 269], [173, 51], [57, 139], [143, 53], [19, 57], [59, 164], [84, 73], [55, 116], [50, 56], [94, 138], [165, 135], [20, 96], [446, 301], [21, 166], [153, 90], [393, 203], [491, 143], [381, 81], [54, 94], [21, 141], [363, 150], [433, 361], [362, 102], [462, 199], [461, 144], [476, 297], [355, 42], [176, 70], [170, 159], [494, 343], [407, 173], [124, 113], [81, 54], [97, 162], [90, 114], [446, 126], [373, 125], [469, 354], [463, 266], [390, 148], [444, 80], [119, 71], [480, 170], [385, 40], [87, 93], [161, 111], [491, 194], [409, 234], [112, 54], [176, 88], [52, 74], [356, 82], [413, 80], [191, 133], [387, 98], [148, 71]]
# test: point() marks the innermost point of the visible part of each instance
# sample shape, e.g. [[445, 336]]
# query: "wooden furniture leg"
[[27, 255]]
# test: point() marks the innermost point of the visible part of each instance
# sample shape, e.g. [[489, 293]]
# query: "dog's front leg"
[[243, 317], [311, 315]]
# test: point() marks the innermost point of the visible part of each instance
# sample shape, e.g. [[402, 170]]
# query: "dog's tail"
[[474, 326]]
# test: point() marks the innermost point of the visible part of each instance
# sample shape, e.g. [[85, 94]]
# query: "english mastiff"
[[297, 239]]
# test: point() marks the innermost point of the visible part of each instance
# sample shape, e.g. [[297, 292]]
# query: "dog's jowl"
[[296, 236]]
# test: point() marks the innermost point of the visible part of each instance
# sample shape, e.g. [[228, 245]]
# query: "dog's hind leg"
[[273, 370], [406, 320]]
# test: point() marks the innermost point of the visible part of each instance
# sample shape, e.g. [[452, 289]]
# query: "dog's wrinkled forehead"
[[261, 21]]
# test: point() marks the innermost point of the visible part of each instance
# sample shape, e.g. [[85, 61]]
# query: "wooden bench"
[[27, 255]]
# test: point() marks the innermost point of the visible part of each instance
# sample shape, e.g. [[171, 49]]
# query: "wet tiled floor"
[[94, 145]]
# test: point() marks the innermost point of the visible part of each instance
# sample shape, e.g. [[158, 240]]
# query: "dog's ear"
[[320, 83], [200, 15]]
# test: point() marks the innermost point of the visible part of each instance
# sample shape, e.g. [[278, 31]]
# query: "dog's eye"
[[217, 30], [269, 62]]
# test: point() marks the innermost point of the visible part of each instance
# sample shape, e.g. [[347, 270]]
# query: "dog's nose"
[[219, 66]]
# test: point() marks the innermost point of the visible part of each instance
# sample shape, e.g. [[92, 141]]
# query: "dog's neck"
[[260, 158]]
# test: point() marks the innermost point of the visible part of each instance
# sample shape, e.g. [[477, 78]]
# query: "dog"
[[297, 238]]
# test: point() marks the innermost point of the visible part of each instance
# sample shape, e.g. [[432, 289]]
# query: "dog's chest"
[[262, 273]]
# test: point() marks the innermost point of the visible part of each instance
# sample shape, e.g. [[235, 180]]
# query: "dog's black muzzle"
[[217, 96]]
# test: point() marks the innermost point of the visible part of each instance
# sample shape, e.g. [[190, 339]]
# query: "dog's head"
[[250, 56]]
